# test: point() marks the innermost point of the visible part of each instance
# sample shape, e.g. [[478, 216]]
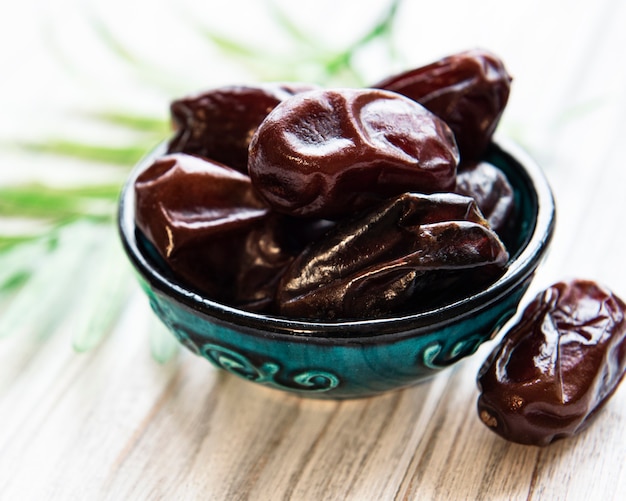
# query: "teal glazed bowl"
[[349, 359]]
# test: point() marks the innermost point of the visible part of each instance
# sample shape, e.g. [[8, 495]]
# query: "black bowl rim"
[[523, 265]]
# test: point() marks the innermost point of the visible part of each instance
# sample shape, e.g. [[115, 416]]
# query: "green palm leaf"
[[69, 231]]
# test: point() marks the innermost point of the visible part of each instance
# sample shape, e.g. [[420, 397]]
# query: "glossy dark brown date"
[[328, 153], [492, 191], [468, 90], [211, 229], [557, 367], [379, 261], [219, 123]]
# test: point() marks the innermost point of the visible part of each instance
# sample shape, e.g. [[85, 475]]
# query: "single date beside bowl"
[[557, 366]]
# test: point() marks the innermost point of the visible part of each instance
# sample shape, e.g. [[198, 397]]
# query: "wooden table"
[[115, 424]]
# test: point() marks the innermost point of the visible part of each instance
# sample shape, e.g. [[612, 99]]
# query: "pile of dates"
[[335, 203]]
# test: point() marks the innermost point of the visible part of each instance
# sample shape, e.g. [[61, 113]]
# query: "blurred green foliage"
[[69, 257]]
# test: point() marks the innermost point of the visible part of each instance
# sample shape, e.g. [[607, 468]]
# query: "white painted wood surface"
[[114, 424]]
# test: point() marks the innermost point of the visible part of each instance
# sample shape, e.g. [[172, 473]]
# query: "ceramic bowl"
[[359, 358]]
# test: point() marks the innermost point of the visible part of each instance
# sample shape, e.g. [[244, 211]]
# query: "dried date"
[[492, 191], [211, 229], [557, 367], [468, 90], [219, 123], [379, 261], [328, 153]]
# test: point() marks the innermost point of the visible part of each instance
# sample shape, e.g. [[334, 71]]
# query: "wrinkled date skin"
[[378, 261], [219, 123], [212, 230], [557, 366], [468, 90], [268, 250], [492, 191], [328, 153]]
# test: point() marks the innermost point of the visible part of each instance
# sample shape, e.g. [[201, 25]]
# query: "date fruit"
[[377, 262], [492, 191], [557, 367], [327, 153], [468, 90], [208, 225], [219, 123]]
